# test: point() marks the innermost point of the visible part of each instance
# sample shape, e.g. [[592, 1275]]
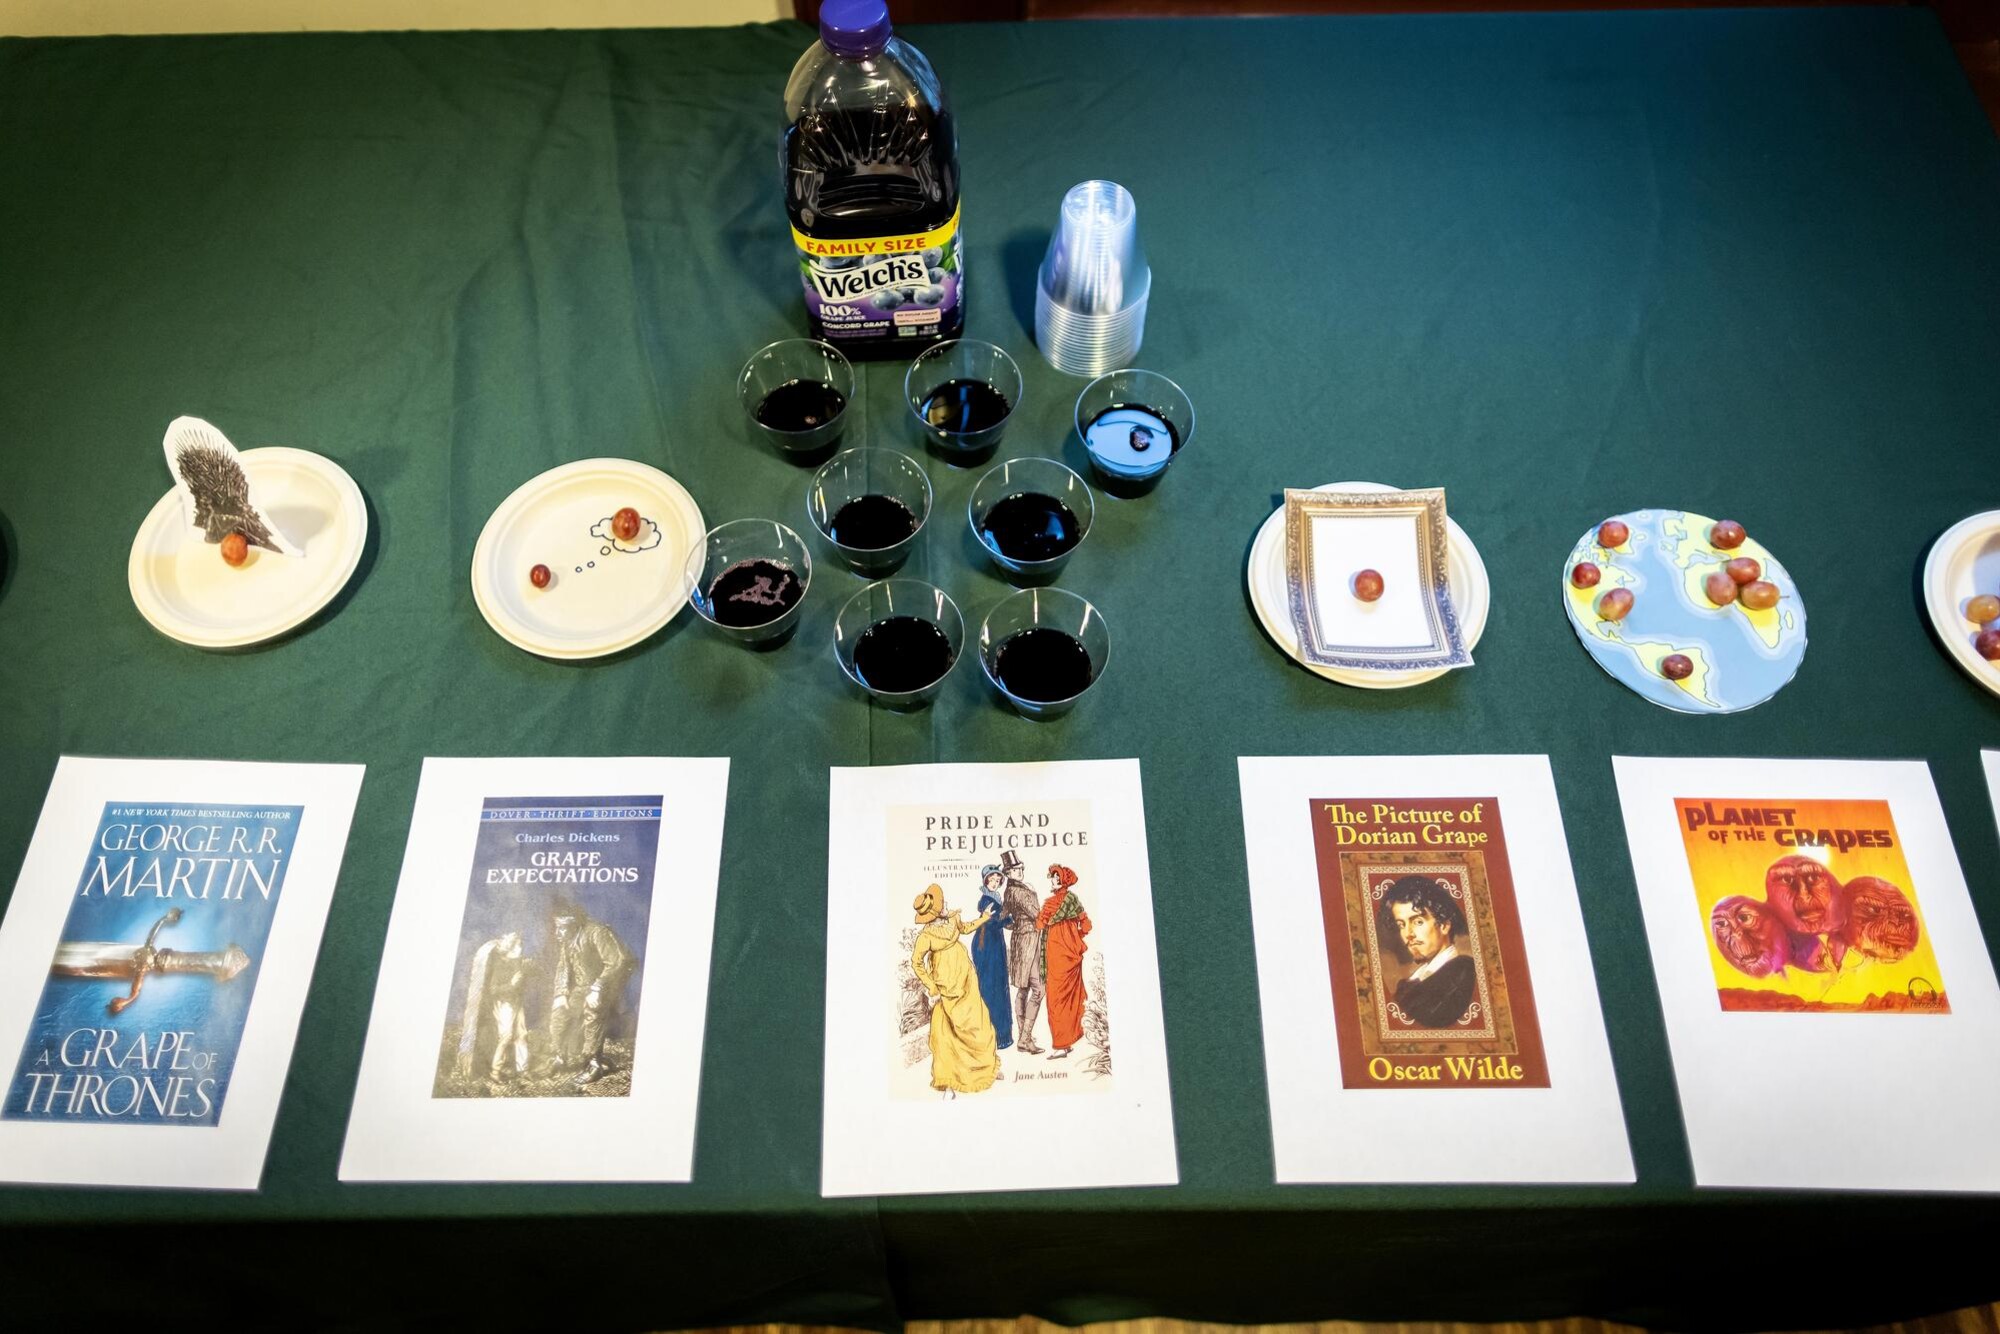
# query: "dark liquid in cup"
[[1042, 665], [870, 523], [900, 653], [754, 592], [800, 405], [1030, 526], [964, 406]]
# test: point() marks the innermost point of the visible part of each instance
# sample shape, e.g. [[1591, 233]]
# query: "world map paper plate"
[[1741, 657]]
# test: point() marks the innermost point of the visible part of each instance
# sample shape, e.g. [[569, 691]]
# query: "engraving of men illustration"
[[1063, 924], [495, 988], [1021, 913], [989, 956], [1421, 915], [592, 967], [963, 1056]]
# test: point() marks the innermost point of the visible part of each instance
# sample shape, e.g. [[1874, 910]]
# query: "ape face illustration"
[[1881, 921], [1749, 935], [1804, 894]]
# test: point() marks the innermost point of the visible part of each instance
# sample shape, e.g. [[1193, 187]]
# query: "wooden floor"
[[1981, 61], [1972, 1320]]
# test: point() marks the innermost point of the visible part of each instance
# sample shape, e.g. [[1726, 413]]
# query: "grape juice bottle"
[[871, 185]]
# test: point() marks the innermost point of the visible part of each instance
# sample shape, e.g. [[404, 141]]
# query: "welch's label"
[[906, 286]]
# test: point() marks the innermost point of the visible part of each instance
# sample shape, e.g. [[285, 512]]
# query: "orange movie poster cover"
[[1423, 944], [1808, 905]]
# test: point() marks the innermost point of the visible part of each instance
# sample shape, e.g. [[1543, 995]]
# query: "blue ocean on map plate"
[[1741, 657]]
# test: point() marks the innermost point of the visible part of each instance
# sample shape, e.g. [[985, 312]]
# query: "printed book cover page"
[[1809, 922], [187, 902], [1990, 760], [539, 1011], [1424, 970], [991, 956]]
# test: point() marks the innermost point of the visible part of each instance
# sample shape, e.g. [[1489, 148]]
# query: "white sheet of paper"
[[1839, 1100], [887, 1131], [1343, 545], [1990, 760], [1571, 1131], [401, 1130], [85, 1137]]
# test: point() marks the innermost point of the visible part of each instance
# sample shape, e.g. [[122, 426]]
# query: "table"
[[1564, 265]]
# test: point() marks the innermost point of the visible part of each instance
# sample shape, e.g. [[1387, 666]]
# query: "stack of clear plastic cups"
[[1090, 296]]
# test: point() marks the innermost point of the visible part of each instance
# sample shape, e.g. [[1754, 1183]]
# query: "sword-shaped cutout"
[[116, 959]]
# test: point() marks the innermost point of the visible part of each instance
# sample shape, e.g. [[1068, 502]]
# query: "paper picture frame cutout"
[[215, 491], [1329, 536]]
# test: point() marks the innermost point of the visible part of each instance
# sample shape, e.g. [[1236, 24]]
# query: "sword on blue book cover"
[[116, 959]]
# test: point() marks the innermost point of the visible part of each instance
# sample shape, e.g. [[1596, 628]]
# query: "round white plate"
[[182, 587], [1964, 562], [606, 595], [1471, 595]]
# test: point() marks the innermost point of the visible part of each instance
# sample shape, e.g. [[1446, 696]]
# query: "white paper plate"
[[1471, 595], [182, 587], [1964, 562], [604, 597]]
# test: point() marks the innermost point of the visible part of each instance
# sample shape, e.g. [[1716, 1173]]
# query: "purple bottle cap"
[[854, 28]]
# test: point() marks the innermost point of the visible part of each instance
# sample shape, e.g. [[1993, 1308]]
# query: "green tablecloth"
[[1739, 262]]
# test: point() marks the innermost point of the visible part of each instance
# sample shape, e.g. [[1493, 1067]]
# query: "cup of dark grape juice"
[[1030, 515], [870, 505], [962, 392], [1043, 649], [898, 639], [748, 578], [795, 393], [1133, 424]]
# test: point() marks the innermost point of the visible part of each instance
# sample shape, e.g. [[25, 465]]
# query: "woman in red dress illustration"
[[1063, 924]]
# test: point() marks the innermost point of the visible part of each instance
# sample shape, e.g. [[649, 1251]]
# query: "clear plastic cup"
[[1129, 453], [894, 671], [1095, 264], [947, 387], [876, 480], [1088, 344], [1094, 282], [1026, 486], [804, 418], [732, 608], [1049, 690]]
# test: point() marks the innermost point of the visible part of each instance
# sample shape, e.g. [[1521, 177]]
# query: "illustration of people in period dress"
[[592, 967], [495, 989], [1063, 924], [963, 1056], [989, 956], [1021, 914]]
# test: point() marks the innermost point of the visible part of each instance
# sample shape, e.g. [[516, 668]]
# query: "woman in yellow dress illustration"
[[964, 1058]]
